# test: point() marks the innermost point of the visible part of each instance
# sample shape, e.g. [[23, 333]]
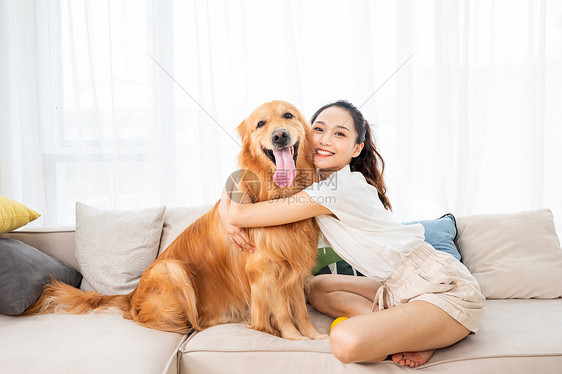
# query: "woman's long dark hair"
[[369, 159]]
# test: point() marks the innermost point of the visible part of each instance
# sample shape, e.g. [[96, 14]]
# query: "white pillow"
[[514, 256], [114, 248]]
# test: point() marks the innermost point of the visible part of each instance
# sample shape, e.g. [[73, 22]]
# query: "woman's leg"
[[342, 295], [416, 326]]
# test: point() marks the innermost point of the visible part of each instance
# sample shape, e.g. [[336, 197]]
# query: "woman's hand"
[[238, 235]]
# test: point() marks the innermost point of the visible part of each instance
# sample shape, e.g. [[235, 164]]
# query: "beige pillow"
[[512, 255], [114, 248]]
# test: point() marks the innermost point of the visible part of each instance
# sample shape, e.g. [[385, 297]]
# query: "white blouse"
[[367, 236]]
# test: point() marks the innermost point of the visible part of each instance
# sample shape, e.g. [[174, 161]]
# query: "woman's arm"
[[237, 235], [275, 212]]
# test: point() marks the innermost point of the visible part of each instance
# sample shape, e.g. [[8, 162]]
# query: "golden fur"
[[202, 279]]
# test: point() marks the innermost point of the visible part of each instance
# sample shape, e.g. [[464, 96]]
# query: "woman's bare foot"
[[412, 359]]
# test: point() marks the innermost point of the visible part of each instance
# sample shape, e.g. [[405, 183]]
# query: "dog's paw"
[[300, 338], [294, 336], [320, 337]]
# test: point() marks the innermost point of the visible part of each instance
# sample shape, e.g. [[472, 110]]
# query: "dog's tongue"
[[286, 172]]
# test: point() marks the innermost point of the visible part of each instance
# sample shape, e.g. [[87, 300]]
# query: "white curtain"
[[129, 104]]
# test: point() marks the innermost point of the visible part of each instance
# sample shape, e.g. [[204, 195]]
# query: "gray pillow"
[[24, 271]]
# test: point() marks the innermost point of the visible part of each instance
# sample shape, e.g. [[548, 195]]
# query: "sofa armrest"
[[57, 242]]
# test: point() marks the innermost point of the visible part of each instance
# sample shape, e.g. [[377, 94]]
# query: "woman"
[[414, 299]]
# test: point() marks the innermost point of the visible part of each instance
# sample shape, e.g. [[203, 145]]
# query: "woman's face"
[[333, 139]]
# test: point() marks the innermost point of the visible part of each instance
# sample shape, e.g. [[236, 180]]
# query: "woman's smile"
[[324, 153]]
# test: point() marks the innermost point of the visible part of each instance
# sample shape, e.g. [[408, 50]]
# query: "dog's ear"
[[305, 157], [242, 132], [302, 120], [304, 123]]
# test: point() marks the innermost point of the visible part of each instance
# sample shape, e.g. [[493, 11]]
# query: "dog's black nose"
[[280, 137]]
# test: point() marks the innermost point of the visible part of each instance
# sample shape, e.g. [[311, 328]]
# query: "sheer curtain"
[[129, 104]]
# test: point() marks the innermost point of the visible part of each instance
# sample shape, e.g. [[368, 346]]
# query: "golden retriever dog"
[[202, 279]]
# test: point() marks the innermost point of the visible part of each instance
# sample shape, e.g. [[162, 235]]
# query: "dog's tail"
[[58, 297]]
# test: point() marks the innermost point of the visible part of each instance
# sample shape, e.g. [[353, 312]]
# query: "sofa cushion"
[[513, 255], [87, 343], [516, 336], [114, 248], [14, 215], [24, 271]]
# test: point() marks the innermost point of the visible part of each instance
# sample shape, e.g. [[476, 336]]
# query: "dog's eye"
[[288, 115], [261, 124]]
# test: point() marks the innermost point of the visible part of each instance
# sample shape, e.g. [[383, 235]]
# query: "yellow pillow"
[[14, 215]]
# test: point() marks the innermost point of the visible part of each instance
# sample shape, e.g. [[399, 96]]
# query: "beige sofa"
[[506, 253]]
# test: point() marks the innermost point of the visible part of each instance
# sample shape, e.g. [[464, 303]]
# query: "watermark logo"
[[242, 186], [249, 179], [304, 178], [330, 182], [293, 199]]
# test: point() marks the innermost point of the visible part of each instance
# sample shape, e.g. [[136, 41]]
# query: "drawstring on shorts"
[[383, 295]]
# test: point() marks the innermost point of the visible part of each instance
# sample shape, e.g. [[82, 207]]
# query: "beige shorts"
[[438, 278]]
